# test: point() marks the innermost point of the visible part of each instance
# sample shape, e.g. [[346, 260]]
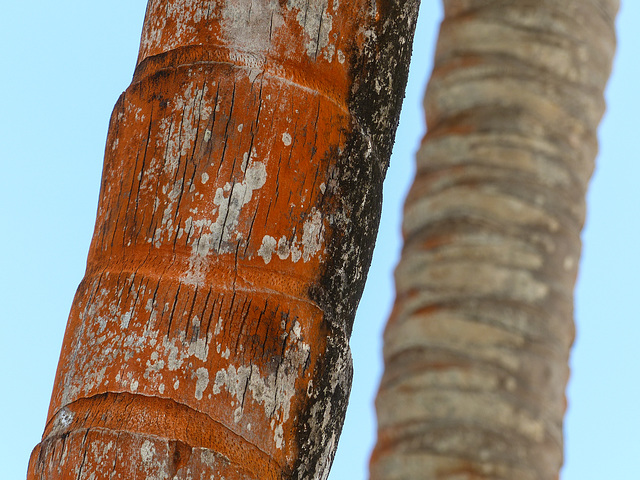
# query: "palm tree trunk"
[[476, 348], [240, 198]]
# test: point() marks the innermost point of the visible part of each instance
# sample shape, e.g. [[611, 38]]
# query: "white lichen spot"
[[125, 319], [204, 178], [176, 385], [267, 248], [202, 381], [311, 236], [221, 380], [245, 161], [248, 157], [62, 420], [296, 330], [237, 415], [218, 328], [296, 254], [278, 437], [134, 386], [207, 135], [286, 139], [240, 127], [323, 188], [174, 360], [310, 245], [200, 348], [284, 250], [329, 52], [341, 57], [147, 451]]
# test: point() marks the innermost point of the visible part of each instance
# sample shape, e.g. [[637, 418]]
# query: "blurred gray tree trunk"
[[477, 346]]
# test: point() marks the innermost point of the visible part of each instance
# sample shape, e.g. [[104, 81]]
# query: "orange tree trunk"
[[240, 198]]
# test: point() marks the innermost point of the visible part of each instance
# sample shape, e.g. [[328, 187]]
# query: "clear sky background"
[[63, 65]]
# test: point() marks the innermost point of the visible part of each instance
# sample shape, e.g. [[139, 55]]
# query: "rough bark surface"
[[477, 345], [240, 199]]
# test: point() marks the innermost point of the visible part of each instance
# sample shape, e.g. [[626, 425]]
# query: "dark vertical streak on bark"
[[136, 297], [266, 222], [179, 149], [133, 178], [176, 234], [223, 228], [173, 309], [186, 163], [246, 386], [204, 315], [253, 221], [189, 316], [141, 179], [315, 56], [243, 314], [84, 455], [115, 456], [271, 27], [226, 129], [151, 230], [269, 326], [119, 289], [277, 194]]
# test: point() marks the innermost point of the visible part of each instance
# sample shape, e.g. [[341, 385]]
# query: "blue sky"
[[65, 63]]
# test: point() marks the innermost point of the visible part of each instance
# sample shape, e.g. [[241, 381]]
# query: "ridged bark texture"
[[477, 345], [240, 200]]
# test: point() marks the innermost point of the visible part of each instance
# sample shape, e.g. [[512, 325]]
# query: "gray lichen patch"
[[274, 391], [314, 17], [229, 200], [202, 375], [306, 248], [249, 25]]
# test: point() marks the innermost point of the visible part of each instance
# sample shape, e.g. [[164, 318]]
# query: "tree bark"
[[477, 345], [239, 205]]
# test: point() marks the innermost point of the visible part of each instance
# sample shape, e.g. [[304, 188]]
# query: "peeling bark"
[[476, 348], [240, 199]]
